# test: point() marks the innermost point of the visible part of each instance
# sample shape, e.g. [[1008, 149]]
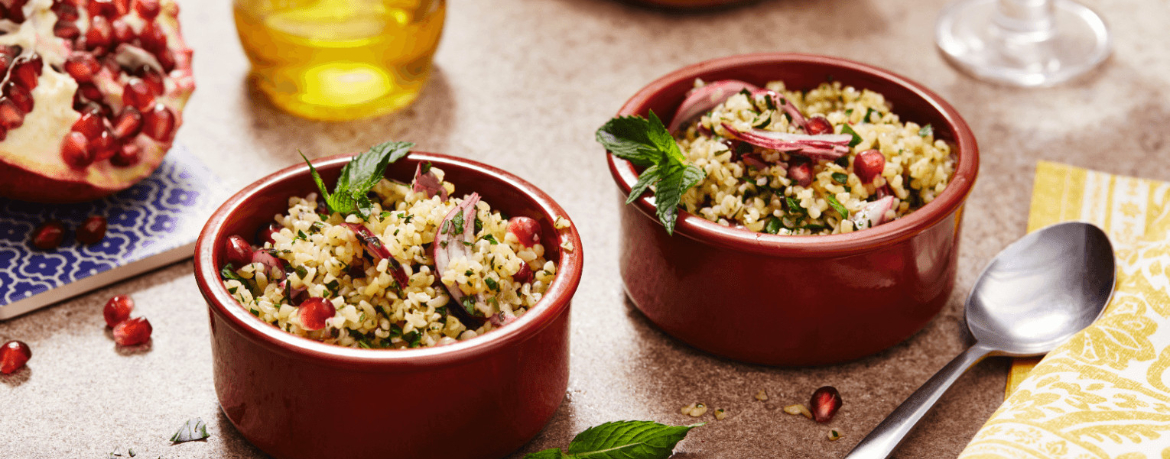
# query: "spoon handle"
[[887, 435]]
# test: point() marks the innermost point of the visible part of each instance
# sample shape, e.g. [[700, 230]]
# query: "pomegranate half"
[[92, 94]]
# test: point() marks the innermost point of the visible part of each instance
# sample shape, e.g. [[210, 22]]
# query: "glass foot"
[[972, 37]]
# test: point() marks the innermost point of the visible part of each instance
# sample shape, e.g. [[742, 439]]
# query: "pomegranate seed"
[[104, 146], [105, 8], [8, 54], [26, 70], [237, 251], [523, 275], [16, 11], [75, 150], [66, 30], [264, 234], [82, 66], [3, 133], [167, 60], [122, 31], [11, 116], [148, 9], [868, 165], [19, 96], [153, 79], [137, 94], [66, 12], [525, 229], [49, 235], [128, 124], [89, 124], [159, 123], [801, 173], [825, 403], [13, 356], [313, 313], [126, 156], [90, 93], [819, 125], [100, 33], [131, 332], [122, 6], [117, 310], [153, 38], [92, 230]]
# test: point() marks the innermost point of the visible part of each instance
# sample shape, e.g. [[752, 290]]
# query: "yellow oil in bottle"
[[340, 59]]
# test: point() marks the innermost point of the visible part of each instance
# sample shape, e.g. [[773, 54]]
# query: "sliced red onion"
[[294, 295], [503, 318], [825, 147], [451, 243], [702, 99], [784, 104], [755, 161], [873, 214], [374, 247], [270, 263], [428, 182]]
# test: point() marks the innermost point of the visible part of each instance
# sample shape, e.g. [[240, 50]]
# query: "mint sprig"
[[358, 177], [647, 143], [193, 429], [621, 440]]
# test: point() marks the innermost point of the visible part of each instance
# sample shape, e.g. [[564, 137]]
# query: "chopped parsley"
[[491, 283], [840, 178], [773, 225], [837, 206], [925, 131], [846, 129], [491, 239]]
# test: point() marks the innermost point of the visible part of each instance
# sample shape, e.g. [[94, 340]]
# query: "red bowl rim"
[[554, 302], [705, 231]]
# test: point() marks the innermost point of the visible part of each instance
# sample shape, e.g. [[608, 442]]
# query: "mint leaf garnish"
[[837, 206], [193, 429], [358, 177], [846, 129], [621, 440], [647, 143]]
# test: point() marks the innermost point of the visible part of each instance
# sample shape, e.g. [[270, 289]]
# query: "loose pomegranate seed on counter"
[[314, 311], [132, 332], [75, 150], [801, 173], [49, 235], [237, 251], [825, 403], [13, 356], [819, 125], [264, 234], [868, 165], [524, 274], [92, 230], [117, 310], [526, 230]]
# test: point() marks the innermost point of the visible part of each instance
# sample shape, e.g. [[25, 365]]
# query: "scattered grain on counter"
[[798, 409], [761, 395], [694, 410], [834, 434], [720, 414]]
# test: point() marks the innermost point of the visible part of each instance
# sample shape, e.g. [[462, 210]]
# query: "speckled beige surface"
[[522, 84]]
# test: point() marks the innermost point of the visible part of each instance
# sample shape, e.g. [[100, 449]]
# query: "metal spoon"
[[1034, 295]]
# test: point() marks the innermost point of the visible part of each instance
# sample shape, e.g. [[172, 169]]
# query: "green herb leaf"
[[925, 131], [846, 129], [228, 274], [868, 112], [491, 283], [193, 429], [794, 206], [773, 225], [627, 138], [491, 239], [301, 235], [621, 440], [765, 122], [359, 176], [645, 179], [837, 206], [840, 178]]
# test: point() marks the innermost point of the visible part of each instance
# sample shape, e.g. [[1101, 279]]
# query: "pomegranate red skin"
[[131, 332], [314, 311], [824, 403], [526, 230], [13, 356], [117, 310], [49, 235], [238, 251], [800, 173], [868, 165], [92, 230]]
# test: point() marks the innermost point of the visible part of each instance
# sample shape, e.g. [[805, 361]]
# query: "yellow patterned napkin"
[[1106, 392]]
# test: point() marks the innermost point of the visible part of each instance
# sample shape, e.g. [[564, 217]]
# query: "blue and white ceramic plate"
[[151, 224]]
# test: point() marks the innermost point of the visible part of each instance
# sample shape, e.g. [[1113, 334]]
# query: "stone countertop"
[[523, 84]]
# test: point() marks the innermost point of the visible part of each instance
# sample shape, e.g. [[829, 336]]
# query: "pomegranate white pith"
[[114, 77]]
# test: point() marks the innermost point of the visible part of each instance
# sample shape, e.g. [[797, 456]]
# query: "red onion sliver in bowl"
[[825, 147], [428, 182], [449, 244], [374, 246], [271, 264], [704, 98], [789, 108], [874, 213]]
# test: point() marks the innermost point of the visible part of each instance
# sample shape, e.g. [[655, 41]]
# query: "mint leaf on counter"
[[193, 429], [647, 143], [621, 440], [358, 177]]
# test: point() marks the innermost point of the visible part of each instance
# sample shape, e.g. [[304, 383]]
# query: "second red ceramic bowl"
[[297, 398], [795, 300]]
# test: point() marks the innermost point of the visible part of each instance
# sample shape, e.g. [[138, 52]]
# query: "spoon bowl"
[[1034, 295]]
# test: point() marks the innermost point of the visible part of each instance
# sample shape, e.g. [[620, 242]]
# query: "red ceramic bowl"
[[690, 4], [297, 398], [795, 300]]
